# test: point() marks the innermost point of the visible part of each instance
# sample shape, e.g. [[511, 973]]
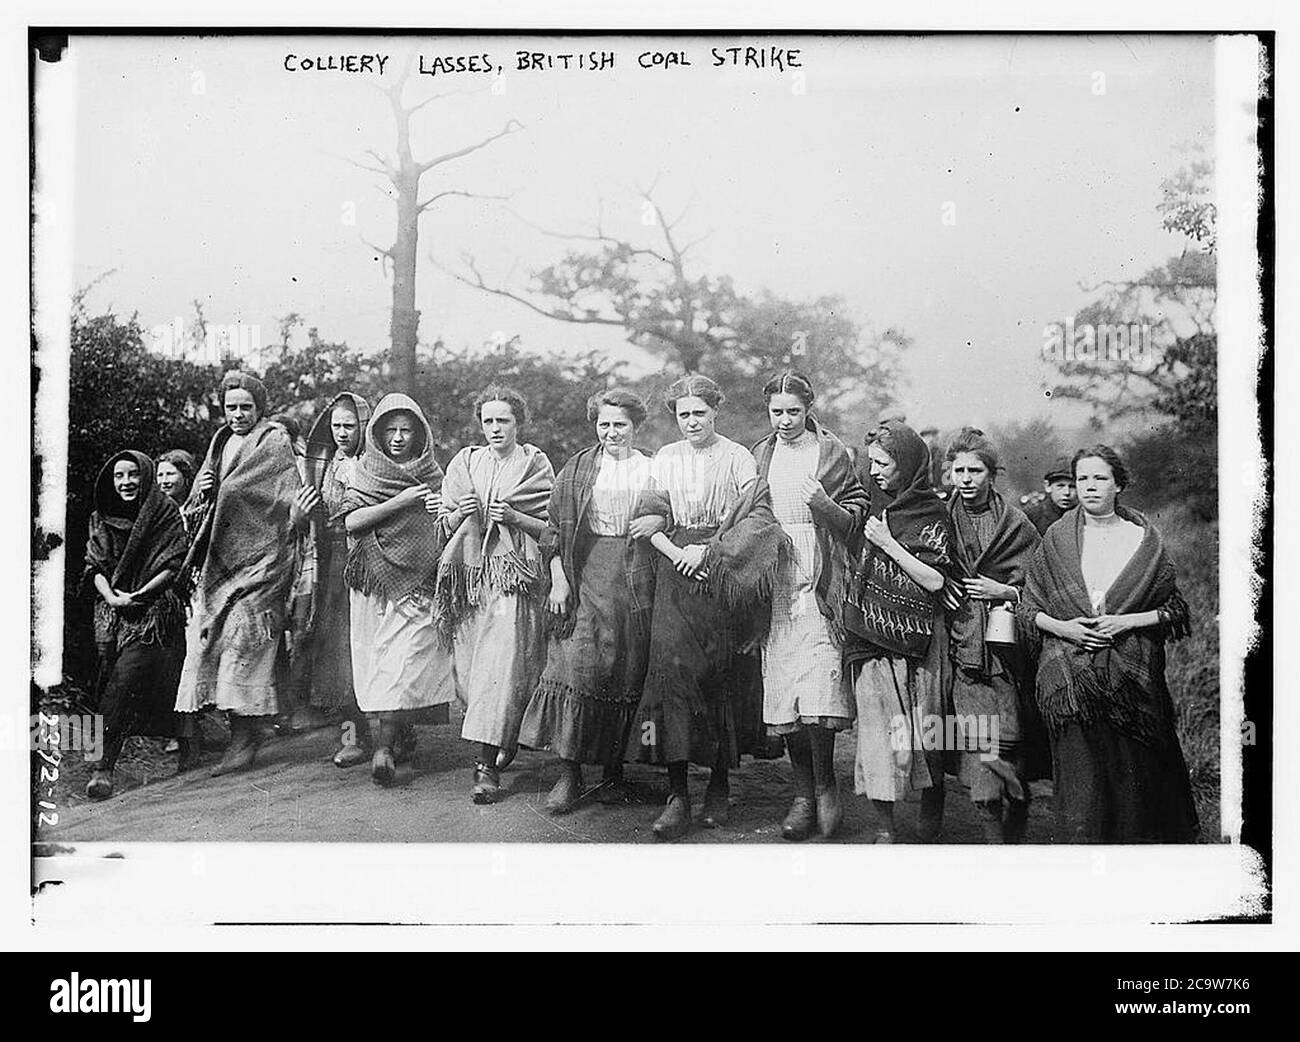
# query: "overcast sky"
[[205, 169]]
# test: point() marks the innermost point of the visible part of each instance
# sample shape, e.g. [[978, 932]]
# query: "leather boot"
[[245, 737], [188, 753], [801, 821], [567, 791], [675, 821], [383, 767]]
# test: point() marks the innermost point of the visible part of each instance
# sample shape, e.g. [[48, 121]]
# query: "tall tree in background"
[[693, 321], [404, 172]]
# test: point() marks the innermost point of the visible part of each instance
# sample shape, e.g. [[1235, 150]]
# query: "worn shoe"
[[566, 793], [675, 821], [830, 812], [100, 786], [487, 784], [245, 737], [382, 768], [717, 808], [190, 749], [801, 822], [883, 836], [351, 755], [505, 757]]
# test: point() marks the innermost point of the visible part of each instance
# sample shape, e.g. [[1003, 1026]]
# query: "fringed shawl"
[[131, 551], [481, 552], [1004, 559], [1122, 685], [835, 528], [245, 542], [564, 534], [399, 555], [890, 601]]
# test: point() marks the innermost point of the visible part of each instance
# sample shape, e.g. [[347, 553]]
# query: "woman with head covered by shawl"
[[1100, 601], [490, 588], [389, 509], [602, 590], [897, 650], [817, 498], [135, 550], [250, 504], [992, 690], [334, 449], [721, 551]]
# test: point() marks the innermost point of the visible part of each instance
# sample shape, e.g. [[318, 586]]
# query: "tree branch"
[[600, 237], [510, 127], [420, 207], [497, 291]]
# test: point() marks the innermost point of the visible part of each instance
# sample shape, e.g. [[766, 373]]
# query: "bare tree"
[[404, 172]]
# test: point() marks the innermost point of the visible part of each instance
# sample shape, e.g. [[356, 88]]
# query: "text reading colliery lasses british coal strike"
[[766, 57]]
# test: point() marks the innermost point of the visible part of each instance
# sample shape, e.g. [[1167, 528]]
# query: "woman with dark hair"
[[134, 552], [175, 474], [992, 691], [897, 648], [1100, 601], [389, 510], [602, 590], [489, 586], [249, 504], [819, 502], [721, 551], [335, 448]]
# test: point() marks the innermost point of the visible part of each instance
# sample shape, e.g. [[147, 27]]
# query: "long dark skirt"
[[137, 685], [585, 703], [703, 701], [330, 676], [1111, 788]]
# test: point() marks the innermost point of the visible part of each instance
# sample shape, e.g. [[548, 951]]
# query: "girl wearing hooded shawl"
[[249, 505], [991, 685], [721, 551], [897, 650], [135, 549], [819, 502], [490, 582], [1100, 601], [389, 509], [602, 590], [334, 449]]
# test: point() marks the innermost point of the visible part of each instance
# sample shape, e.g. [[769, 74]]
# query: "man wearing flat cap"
[[1058, 486]]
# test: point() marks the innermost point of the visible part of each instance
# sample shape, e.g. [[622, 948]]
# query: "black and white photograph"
[[499, 475]]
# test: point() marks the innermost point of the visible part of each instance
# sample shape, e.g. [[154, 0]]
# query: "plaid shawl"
[[245, 542], [481, 552], [1003, 559], [1123, 685], [743, 558], [568, 506], [400, 555], [129, 551], [835, 530], [890, 602]]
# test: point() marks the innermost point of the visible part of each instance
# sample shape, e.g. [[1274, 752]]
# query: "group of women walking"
[[695, 606]]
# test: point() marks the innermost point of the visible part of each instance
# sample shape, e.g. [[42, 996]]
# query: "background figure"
[[251, 505], [1100, 600], [175, 474], [992, 689], [135, 551], [896, 647], [719, 557], [820, 504], [490, 580], [334, 448], [390, 509], [602, 591], [1059, 496]]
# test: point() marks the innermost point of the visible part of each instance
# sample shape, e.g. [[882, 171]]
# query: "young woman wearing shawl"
[[819, 502], [991, 684], [175, 474], [390, 509], [721, 552], [896, 649], [135, 549], [334, 449], [490, 591], [602, 590], [249, 505], [1100, 601]]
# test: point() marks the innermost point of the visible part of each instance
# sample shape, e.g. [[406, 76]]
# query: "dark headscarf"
[[915, 506], [130, 543], [321, 448]]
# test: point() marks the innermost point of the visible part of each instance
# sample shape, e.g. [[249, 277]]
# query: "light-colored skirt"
[[498, 656], [901, 721], [802, 675], [235, 669], [398, 661]]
